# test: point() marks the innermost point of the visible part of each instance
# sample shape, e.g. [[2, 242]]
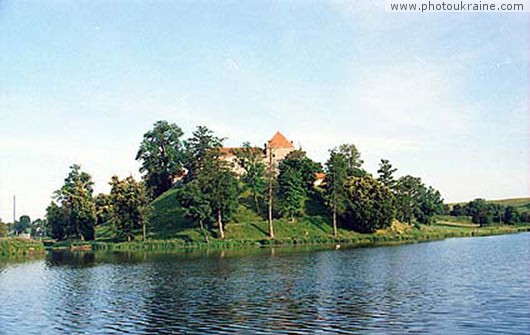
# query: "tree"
[[251, 161], [57, 221], [75, 197], [415, 201], [430, 203], [511, 215], [353, 159], [369, 205], [386, 174], [335, 186], [201, 144], [22, 225], [292, 191], [407, 198], [161, 155], [458, 210], [195, 204], [297, 160], [129, 202], [296, 178], [480, 212], [103, 208], [210, 186], [221, 187], [272, 189]]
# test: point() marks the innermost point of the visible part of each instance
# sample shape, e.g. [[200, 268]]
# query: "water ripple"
[[468, 286]]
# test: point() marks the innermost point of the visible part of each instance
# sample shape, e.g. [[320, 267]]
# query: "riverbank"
[[20, 247], [398, 235]]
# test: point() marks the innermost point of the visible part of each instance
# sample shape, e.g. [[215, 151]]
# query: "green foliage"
[[370, 205], [251, 161], [161, 155], [221, 187], [103, 208], [295, 181], [292, 191], [352, 158], [23, 224], [202, 143], [195, 203], [210, 191], [129, 203], [386, 174], [57, 221], [297, 160], [415, 201], [17, 247], [75, 198], [3, 229], [486, 212]]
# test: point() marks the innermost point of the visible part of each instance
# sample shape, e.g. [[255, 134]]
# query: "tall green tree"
[[295, 180], [210, 186], [221, 187], [335, 186], [292, 192], [56, 221], [161, 154], [251, 161], [417, 202], [75, 196], [103, 208], [386, 174], [407, 198], [129, 203], [353, 159], [430, 204], [369, 205], [201, 144]]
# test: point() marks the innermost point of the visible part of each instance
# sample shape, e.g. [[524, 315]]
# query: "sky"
[[443, 96]]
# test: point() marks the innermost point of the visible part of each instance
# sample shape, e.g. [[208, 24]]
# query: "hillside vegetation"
[[520, 203]]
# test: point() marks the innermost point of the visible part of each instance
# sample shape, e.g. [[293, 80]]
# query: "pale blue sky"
[[444, 96]]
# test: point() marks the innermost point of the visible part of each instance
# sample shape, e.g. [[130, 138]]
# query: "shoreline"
[[367, 240], [17, 248]]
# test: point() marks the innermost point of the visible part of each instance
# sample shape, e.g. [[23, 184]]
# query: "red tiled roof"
[[320, 175], [280, 141], [228, 151]]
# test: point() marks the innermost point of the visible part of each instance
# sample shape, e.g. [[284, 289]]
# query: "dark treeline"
[[209, 191], [487, 213]]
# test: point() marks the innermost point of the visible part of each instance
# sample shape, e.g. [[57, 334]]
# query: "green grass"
[[169, 229], [521, 203]]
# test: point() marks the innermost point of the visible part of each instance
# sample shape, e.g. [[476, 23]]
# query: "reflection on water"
[[471, 286]]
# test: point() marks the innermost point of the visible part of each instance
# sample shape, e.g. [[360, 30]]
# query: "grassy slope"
[[521, 203], [169, 229]]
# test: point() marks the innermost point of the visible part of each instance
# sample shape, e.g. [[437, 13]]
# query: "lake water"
[[455, 286]]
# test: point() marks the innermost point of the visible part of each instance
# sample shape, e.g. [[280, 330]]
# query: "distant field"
[[522, 203]]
